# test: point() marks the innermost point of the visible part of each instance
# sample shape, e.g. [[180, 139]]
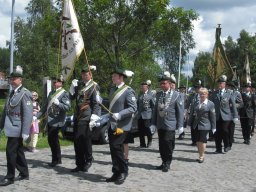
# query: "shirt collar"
[[16, 89], [87, 83], [205, 101], [168, 91], [58, 89], [120, 85]]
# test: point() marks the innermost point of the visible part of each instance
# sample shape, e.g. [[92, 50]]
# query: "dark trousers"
[[193, 133], [253, 125], [166, 145], [222, 134], [117, 152], [231, 133], [83, 144], [15, 157], [143, 125], [53, 140], [246, 124]]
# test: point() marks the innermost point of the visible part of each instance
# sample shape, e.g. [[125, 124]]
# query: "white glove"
[[94, 117], [99, 99], [73, 85], [34, 118], [180, 130], [213, 131], [116, 116], [56, 101], [152, 128], [25, 137], [93, 120], [92, 124], [235, 120]]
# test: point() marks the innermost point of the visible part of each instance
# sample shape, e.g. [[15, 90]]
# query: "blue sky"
[[234, 15]]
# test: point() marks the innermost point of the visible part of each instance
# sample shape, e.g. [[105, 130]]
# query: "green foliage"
[[136, 35], [200, 71], [237, 49], [4, 59], [42, 142], [37, 41]]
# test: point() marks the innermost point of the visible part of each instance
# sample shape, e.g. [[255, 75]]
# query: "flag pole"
[[12, 32], [179, 61]]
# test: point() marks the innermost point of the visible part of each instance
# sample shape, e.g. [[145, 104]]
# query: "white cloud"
[[5, 17], [232, 20]]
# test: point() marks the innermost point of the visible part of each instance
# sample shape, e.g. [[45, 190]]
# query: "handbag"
[[34, 127]]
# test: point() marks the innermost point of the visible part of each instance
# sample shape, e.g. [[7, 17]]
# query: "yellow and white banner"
[[72, 41]]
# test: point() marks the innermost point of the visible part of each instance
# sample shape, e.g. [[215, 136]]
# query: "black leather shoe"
[[6, 182], [87, 166], [113, 178], [77, 169], [181, 136], [22, 177], [159, 167], [143, 146], [227, 149], [54, 163], [166, 167], [247, 142], [218, 151], [121, 178], [127, 161]]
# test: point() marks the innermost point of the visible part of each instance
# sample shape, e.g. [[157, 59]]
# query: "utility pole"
[[12, 32]]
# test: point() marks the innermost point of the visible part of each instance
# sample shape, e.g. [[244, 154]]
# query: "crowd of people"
[[211, 115]]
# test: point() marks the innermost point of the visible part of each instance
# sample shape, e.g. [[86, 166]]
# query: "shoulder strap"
[[116, 95], [55, 96]]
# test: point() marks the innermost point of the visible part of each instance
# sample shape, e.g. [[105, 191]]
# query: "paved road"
[[233, 171]]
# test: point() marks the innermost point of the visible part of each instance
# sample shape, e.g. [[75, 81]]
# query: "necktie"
[[220, 94], [12, 93], [164, 94]]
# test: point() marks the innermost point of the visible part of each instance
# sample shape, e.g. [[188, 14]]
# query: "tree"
[[200, 70], [37, 42], [133, 34], [4, 60], [236, 52]]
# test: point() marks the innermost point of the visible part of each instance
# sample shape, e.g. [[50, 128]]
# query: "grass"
[[42, 142], [2, 102]]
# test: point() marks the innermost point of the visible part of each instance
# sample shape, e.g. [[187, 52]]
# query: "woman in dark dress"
[[204, 120]]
